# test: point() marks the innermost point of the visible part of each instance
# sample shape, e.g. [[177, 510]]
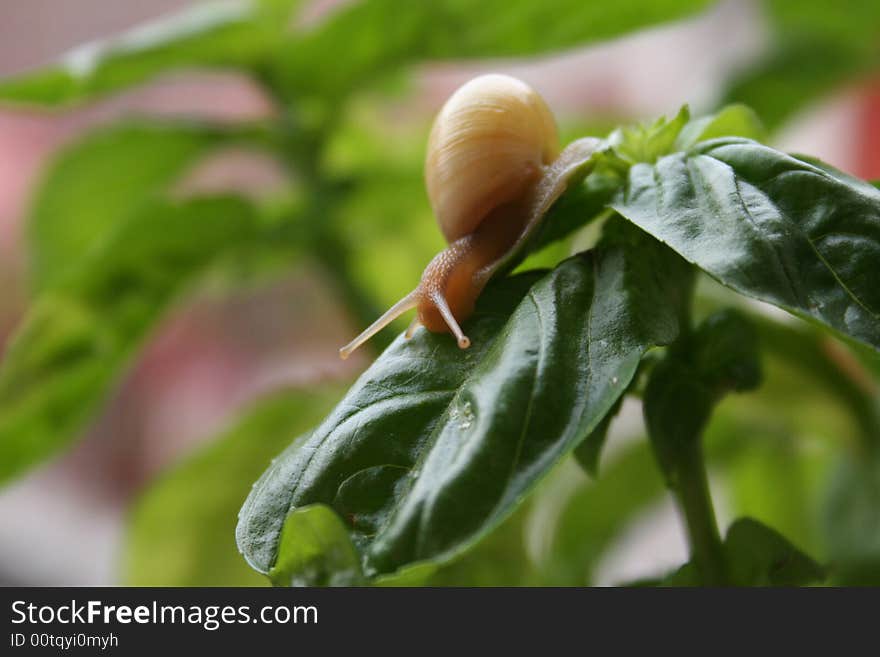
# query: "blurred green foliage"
[[815, 48], [102, 181], [182, 527], [111, 247]]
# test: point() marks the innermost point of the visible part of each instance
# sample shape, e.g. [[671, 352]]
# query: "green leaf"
[[851, 522], [796, 74], [181, 530], [732, 121], [815, 48], [504, 28], [596, 513], [725, 352], [102, 180], [677, 407], [648, 142], [805, 349], [681, 393], [858, 23], [232, 34], [579, 205], [379, 35], [757, 556], [433, 447], [684, 388], [588, 452], [770, 226], [502, 559], [76, 339], [559, 535], [315, 550]]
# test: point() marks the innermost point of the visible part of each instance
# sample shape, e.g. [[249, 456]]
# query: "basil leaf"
[[433, 447], [732, 121], [316, 550], [757, 556], [588, 452], [649, 141], [770, 226]]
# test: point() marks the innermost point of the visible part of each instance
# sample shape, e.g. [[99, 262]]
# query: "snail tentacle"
[[408, 302], [411, 329], [442, 307]]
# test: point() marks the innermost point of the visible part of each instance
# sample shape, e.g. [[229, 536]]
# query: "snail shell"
[[492, 171], [488, 144]]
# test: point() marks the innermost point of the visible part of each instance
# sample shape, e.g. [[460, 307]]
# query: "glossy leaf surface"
[[433, 446], [769, 226]]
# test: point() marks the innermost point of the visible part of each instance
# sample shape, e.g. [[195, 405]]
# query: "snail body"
[[492, 170]]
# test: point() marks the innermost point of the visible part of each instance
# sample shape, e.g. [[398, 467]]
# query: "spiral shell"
[[488, 145]]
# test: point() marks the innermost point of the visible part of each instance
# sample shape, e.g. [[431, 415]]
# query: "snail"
[[493, 169]]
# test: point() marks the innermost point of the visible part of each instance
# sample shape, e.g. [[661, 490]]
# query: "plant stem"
[[303, 145], [691, 488]]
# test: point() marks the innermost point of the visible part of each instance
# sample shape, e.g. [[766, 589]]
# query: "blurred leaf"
[[760, 556], [558, 536], [870, 360], [588, 452], [851, 520], [501, 559], [773, 448], [523, 395], [796, 75], [378, 35], [768, 226], [683, 389], [595, 513], [802, 358], [648, 141], [851, 20], [229, 34], [315, 550], [77, 338], [816, 47], [731, 121], [181, 530], [725, 352], [774, 476], [757, 556], [102, 180], [698, 370]]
